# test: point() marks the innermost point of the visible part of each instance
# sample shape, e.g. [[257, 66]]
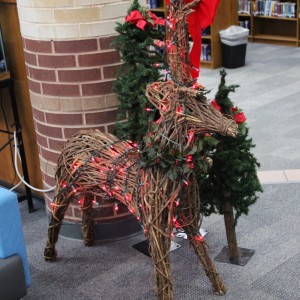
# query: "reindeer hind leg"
[[59, 208], [87, 221]]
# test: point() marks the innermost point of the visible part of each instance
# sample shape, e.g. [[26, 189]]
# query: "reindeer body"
[[97, 164]]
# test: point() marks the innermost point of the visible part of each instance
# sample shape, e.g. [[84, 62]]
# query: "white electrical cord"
[[18, 173], [14, 187]]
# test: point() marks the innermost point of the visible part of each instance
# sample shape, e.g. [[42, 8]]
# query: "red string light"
[[148, 109], [191, 135], [189, 158], [199, 238], [64, 184]]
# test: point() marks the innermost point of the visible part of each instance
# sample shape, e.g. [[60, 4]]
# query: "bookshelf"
[[226, 16], [273, 22], [159, 7], [16, 64]]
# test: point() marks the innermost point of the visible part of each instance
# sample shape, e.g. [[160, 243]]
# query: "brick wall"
[[71, 70]]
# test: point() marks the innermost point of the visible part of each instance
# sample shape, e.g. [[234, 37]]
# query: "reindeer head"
[[188, 106]]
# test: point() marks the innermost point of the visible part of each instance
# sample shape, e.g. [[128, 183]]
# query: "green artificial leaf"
[[193, 151], [172, 174]]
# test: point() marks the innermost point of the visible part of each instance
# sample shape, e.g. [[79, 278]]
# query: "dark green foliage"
[[233, 175], [133, 76]]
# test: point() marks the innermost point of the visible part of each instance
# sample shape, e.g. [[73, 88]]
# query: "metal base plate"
[[143, 247], [241, 260]]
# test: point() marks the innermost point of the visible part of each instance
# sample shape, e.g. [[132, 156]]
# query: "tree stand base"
[[143, 247], [241, 260]]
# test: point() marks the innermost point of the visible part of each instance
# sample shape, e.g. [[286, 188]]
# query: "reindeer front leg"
[[192, 217], [201, 250], [159, 245], [157, 226], [59, 208]]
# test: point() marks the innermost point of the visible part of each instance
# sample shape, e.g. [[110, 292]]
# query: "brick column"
[[71, 70]]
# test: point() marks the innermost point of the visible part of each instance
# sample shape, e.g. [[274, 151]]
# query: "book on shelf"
[[153, 3], [245, 24], [244, 7], [276, 9], [206, 52], [206, 31]]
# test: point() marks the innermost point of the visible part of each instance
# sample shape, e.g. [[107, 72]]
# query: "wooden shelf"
[[207, 64], [276, 18], [244, 15], [206, 37], [273, 30], [159, 9], [8, 1], [275, 37]]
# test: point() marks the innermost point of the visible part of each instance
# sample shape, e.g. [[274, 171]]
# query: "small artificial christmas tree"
[[140, 66], [232, 182]]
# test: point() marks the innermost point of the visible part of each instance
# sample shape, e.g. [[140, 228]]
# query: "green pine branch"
[[136, 49]]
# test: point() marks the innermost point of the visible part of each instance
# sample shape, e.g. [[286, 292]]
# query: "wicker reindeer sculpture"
[[157, 184]]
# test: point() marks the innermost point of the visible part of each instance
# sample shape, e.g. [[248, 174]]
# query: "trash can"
[[233, 45]]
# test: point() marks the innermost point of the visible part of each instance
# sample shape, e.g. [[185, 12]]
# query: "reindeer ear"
[[156, 94]]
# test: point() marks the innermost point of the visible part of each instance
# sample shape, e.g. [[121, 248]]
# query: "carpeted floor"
[[116, 271], [270, 96]]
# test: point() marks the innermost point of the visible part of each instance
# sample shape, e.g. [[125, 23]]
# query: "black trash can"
[[233, 46]]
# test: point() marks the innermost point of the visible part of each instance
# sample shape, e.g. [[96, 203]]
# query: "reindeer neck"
[[178, 42], [171, 134]]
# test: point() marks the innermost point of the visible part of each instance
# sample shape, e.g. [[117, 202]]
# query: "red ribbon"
[[203, 16], [137, 19], [238, 116]]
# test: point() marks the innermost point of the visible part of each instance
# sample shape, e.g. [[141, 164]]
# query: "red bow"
[[239, 118], [202, 17], [137, 19]]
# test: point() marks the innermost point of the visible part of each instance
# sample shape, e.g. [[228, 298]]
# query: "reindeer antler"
[[191, 4]]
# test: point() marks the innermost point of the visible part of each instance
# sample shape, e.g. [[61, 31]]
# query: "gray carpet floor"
[[270, 97]]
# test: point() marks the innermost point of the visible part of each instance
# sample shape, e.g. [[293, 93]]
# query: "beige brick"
[[112, 101], [103, 28], [36, 100], [29, 30], [71, 104], [112, 11], [48, 167], [93, 103], [51, 168], [58, 31], [51, 104], [94, 2], [32, 15], [43, 165], [51, 3], [24, 3], [77, 15]]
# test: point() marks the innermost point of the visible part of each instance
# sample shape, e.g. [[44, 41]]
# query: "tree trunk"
[[233, 250]]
